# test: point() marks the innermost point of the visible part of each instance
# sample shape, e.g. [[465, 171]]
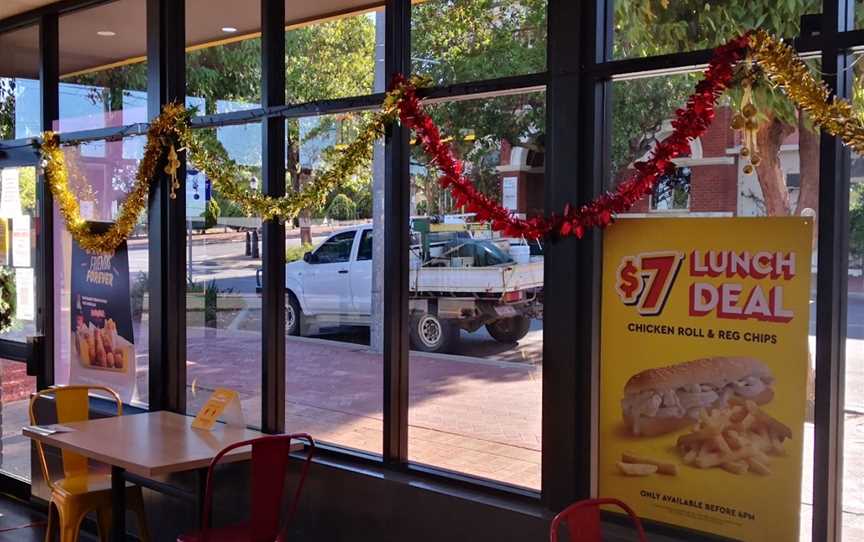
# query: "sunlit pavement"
[[472, 416]]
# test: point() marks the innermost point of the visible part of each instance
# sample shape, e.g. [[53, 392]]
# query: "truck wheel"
[[292, 315], [431, 334], [509, 330]]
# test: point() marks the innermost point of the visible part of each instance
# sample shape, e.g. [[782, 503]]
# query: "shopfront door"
[[19, 339]]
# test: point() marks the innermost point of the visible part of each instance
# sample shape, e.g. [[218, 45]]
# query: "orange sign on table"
[[223, 402]]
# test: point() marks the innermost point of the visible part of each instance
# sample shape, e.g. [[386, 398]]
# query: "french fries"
[[636, 469], [737, 439], [661, 467]]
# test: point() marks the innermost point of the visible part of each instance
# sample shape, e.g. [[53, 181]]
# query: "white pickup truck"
[[332, 286]]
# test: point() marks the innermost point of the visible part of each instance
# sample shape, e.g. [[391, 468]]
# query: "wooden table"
[[141, 446]]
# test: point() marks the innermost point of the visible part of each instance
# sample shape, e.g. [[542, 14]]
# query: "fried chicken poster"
[[704, 353], [103, 345]]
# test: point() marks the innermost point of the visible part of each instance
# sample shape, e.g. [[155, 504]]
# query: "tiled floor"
[[21, 523]]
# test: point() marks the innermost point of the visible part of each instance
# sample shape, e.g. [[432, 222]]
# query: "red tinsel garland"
[[689, 123]]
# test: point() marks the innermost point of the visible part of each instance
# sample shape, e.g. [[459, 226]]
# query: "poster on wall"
[[103, 345], [25, 294], [10, 192], [21, 242], [510, 193], [704, 355], [197, 194]]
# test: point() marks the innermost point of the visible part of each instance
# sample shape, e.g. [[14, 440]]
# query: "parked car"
[[455, 281]]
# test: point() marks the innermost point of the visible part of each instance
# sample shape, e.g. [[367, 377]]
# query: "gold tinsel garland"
[[785, 69], [777, 61], [166, 127], [206, 154]]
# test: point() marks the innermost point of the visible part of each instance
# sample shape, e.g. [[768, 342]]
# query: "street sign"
[[197, 194]]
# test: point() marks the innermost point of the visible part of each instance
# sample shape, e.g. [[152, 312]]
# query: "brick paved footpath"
[[472, 416]]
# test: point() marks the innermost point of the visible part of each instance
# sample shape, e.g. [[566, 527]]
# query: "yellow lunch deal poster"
[[704, 356]]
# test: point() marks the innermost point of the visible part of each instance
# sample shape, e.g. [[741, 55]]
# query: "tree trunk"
[[772, 181], [808, 151], [304, 219]]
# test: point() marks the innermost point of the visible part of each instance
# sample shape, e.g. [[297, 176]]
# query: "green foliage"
[[7, 299], [364, 202], [639, 109], [27, 186], [7, 108], [333, 59], [856, 224], [110, 85], [342, 208], [226, 72], [227, 208], [468, 40], [652, 27], [292, 254], [481, 39], [211, 214]]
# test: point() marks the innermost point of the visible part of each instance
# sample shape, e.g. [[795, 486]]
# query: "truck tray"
[[498, 279]]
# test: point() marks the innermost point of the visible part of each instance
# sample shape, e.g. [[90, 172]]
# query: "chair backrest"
[[73, 405], [582, 520], [270, 459]]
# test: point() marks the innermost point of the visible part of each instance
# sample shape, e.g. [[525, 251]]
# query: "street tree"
[[483, 39], [650, 27]]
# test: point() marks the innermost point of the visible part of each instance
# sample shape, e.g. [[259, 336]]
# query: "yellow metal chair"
[[81, 490]]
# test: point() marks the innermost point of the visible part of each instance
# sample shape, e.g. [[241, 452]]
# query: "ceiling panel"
[[9, 8], [83, 49], [20, 56]]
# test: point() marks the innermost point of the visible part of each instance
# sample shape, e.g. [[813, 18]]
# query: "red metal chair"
[[582, 520], [269, 467]]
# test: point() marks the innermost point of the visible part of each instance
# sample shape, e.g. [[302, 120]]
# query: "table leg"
[[200, 493], [118, 504]]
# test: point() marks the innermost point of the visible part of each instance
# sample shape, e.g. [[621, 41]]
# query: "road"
[[222, 259]]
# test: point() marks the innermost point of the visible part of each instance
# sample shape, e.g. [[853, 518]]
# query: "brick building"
[[710, 181]]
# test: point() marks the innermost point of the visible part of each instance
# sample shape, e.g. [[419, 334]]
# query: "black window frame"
[[577, 80]]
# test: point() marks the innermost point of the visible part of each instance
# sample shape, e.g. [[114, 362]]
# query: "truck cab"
[[333, 283]]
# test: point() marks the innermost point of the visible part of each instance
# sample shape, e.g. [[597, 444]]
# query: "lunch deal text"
[[703, 372]]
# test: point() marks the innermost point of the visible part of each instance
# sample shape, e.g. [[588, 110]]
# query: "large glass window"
[[112, 306], [454, 41], [223, 59], [334, 296], [223, 309], [19, 83], [853, 413], [476, 336], [654, 27], [103, 70]]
